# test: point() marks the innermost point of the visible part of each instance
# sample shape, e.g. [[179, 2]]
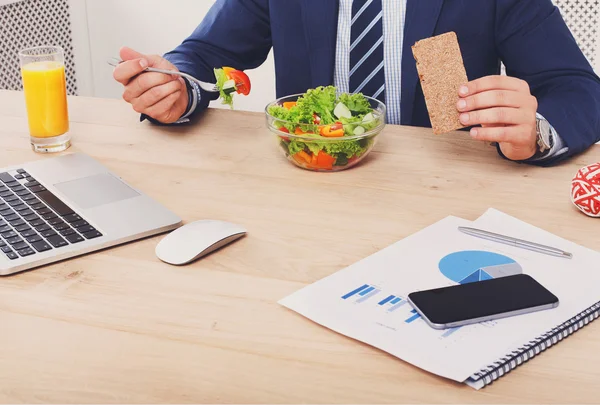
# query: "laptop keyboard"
[[33, 220]]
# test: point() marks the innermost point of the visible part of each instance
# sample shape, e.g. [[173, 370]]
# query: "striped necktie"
[[367, 72]]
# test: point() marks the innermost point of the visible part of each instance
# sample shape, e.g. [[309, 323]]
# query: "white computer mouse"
[[197, 239]]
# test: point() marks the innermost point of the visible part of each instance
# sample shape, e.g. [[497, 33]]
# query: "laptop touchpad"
[[94, 191]]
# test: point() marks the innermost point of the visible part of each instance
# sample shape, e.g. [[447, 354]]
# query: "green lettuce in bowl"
[[322, 130]]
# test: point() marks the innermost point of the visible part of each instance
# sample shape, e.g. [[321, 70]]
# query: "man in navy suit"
[[546, 109]]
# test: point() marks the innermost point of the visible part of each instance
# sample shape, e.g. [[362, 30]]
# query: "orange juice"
[[46, 98]]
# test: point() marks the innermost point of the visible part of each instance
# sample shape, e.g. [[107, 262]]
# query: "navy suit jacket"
[[528, 36]]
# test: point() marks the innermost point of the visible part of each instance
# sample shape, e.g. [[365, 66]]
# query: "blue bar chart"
[[388, 299], [390, 304], [354, 292], [397, 304], [362, 293], [413, 317]]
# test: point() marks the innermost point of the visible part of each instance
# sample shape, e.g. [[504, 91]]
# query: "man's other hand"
[[506, 111]]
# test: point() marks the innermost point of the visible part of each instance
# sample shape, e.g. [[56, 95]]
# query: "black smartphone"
[[480, 301]]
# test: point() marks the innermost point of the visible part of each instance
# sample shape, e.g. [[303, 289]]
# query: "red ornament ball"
[[585, 190]]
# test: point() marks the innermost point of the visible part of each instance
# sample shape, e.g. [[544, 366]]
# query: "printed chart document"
[[367, 300]]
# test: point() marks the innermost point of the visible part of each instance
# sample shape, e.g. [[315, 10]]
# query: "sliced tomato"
[[287, 131], [241, 79], [316, 119]]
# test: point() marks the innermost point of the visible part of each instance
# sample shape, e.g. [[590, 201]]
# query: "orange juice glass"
[[45, 86]]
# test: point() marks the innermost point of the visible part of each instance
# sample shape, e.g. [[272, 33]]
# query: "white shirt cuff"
[[195, 99]]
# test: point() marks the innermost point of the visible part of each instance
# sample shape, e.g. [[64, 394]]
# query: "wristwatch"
[[545, 140]]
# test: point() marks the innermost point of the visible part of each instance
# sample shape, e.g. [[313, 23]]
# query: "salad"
[[323, 115], [230, 81]]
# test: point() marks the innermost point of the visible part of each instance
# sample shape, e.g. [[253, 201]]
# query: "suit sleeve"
[[235, 33], [536, 45]]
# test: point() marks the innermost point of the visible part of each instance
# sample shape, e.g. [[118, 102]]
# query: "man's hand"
[[506, 111], [160, 96]]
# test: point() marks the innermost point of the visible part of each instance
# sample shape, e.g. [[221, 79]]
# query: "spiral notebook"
[[533, 348], [367, 300]]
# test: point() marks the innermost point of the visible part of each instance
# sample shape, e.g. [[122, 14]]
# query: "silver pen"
[[520, 243]]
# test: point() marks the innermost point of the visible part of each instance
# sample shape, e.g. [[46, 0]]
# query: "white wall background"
[[101, 27]]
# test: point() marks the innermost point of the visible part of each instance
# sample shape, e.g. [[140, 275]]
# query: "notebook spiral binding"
[[517, 357]]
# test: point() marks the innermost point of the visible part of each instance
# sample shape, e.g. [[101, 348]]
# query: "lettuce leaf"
[[295, 147], [320, 101], [349, 149], [292, 119], [357, 103], [286, 118], [227, 99]]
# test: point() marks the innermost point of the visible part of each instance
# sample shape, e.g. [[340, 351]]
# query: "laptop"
[[62, 207]]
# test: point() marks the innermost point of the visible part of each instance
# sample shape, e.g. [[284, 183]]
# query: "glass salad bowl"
[[347, 138]]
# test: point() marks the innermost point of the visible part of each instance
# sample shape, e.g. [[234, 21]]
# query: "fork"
[[209, 87]]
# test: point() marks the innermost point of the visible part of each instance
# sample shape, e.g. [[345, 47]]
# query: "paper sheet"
[[366, 301]]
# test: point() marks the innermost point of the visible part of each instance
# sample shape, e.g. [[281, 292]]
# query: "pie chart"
[[469, 266]]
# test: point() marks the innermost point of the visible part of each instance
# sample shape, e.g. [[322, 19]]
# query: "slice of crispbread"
[[441, 72]]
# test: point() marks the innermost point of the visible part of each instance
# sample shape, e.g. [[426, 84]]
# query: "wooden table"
[[119, 326]]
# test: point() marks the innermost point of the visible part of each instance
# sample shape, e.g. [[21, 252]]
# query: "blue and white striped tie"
[[367, 71]]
